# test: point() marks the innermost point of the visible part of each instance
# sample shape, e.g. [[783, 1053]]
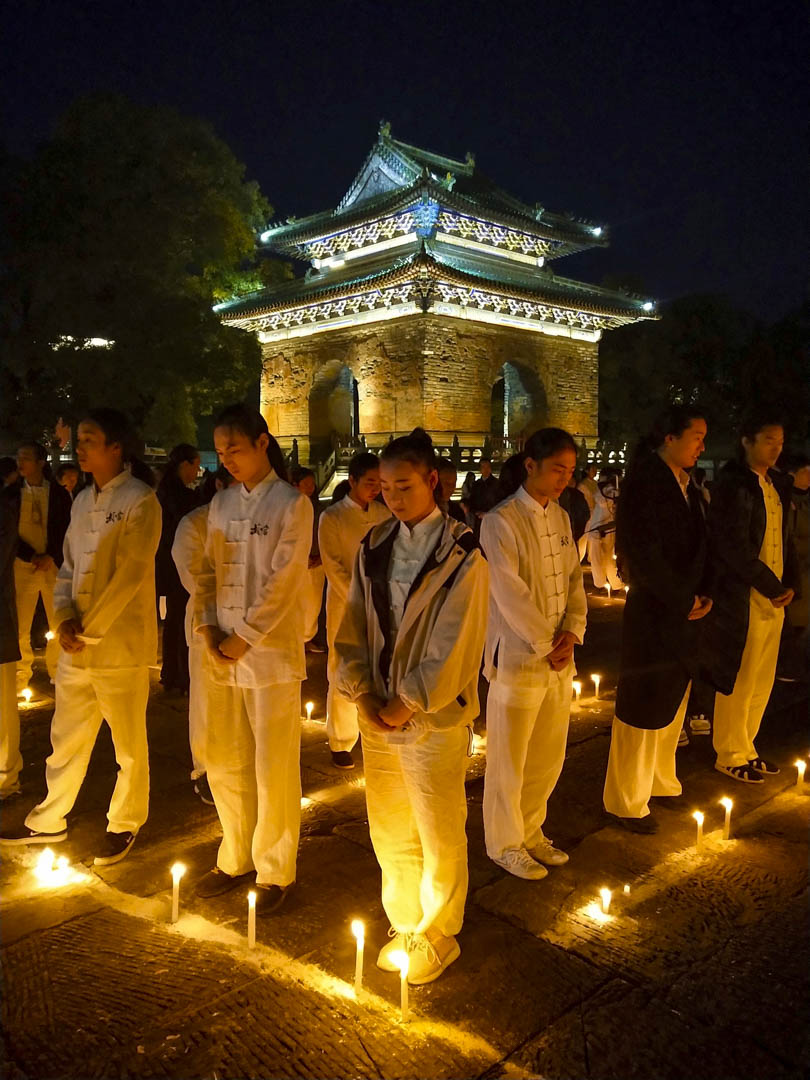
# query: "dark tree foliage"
[[127, 226]]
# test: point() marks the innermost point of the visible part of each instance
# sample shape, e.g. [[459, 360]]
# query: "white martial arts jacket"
[[535, 586], [188, 550], [107, 579], [432, 661], [340, 532], [253, 580]]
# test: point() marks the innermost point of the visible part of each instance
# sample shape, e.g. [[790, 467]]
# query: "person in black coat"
[[176, 499], [576, 506], [661, 549], [10, 760], [748, 527]]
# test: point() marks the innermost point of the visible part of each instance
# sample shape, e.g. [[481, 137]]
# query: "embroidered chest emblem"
[[114, 515], [259, 530], [564, 541]]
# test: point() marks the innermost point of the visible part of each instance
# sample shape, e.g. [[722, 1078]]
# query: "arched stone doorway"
[[333, 407], [518, 403]]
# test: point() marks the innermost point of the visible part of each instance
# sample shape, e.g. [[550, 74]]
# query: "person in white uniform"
[[187, 552], [601, 532], [44, 514], [537, 614], [589, 488], [756, 572], [409, 651], [104, 603], [249, 608], [11, 762], [340, 533]]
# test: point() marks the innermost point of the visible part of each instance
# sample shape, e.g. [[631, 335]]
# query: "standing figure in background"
[[748, 522], [485, 494], [304, 480], [537, 613], [409, 650], [576, 506], [187, 552], [342, 529], [662, 548], [250, 613], [69, 475], [177, 497], [44, 515], [590, 489], [795, 657], [448, 478], [11, 762], [105, 613], [9, 473], [601, 532]]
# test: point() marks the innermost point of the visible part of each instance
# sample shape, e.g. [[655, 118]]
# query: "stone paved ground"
[[701, 971]]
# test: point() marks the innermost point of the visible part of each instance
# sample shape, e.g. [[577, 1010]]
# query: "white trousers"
[[85, 697], [641, 764], [197, 704], [316, 578], [342, 728], [252, 758], [417, 811], [10, 759], [527, 729], [603, 565], [738, 715], [30, 584]]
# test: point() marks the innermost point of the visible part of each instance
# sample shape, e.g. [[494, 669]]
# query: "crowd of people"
[[420, 592]]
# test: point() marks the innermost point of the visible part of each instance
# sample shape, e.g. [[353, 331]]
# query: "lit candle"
[[359, 936], [626, 591], [50, 635], [400, 958], [252, 919], [627, 890], [698, 816], [577, 685], [727, 803], [607, 586], [596, 680], [177, 872], [605, 895], [310, 705], [800, 769], [27, 694]]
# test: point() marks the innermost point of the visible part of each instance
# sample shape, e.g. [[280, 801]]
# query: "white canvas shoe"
[[398, 943], [518, 861], [546, 853], [428, 957]]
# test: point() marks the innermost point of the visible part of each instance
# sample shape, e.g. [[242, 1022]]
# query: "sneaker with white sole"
[[546, 853], [398, 943], [683, 738], [116, 846], [518, 861], [428, 957], [746, 774], [23, 836], [700, 725]]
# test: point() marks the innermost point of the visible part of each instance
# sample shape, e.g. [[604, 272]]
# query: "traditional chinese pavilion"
[[430, 300]]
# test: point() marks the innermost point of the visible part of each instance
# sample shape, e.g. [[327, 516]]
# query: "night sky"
[[681, 126]]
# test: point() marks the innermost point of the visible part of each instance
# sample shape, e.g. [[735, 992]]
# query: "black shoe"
[[269, 898], [203, 789], [24, 835], [763, 766], [115, 848], [644, 826], [314, 647], [342, 759], [216, 882], [746, 774]]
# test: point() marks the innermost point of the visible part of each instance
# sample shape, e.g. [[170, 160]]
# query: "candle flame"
[[252, 898], [50, 871], [178, 869], [577, 685], [605, 895], [358, 929], [627, 890], [699, 816], [800, 765], [310, 705], [50, 635], [27, 693], [726, 802], [400, 958]]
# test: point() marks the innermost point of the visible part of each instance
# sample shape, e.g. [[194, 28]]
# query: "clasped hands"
[[562, 650], [384, 715], [224, 649]]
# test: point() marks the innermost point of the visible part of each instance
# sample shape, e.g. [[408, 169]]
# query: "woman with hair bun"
[[537, 614], [409, 651]]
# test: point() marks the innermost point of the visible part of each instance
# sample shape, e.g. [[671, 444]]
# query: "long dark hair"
[[673, 420], [251, 423], [177, 455], [118, 429]]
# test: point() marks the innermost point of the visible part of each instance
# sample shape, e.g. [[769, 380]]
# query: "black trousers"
[[174, 672]]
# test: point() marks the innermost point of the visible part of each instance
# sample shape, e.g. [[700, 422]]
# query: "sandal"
[[763, 766], [744, 773]]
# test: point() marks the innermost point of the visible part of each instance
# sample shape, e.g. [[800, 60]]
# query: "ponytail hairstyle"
[[177, 455], [512, 475], [673, 420], [251, 423], [118, 429], [416, 448], [547, 442]]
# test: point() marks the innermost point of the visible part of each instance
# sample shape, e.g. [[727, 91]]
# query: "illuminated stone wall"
[[430, 370]]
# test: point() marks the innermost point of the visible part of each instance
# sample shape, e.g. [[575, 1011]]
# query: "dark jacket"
[[59, 506], [9, 515], [176, 500], [661, 550], [737, 521], [576, 506]]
